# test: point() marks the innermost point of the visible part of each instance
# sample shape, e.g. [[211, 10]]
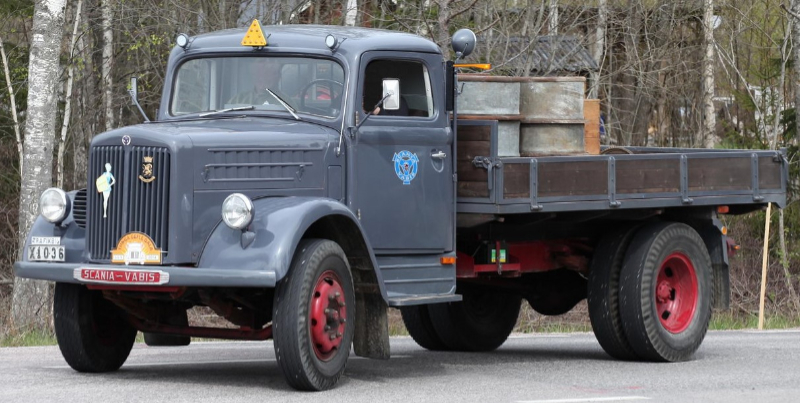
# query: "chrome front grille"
[[133, 205]]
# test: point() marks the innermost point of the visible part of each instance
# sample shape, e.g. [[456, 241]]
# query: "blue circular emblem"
[[126, 140], [405, 166]]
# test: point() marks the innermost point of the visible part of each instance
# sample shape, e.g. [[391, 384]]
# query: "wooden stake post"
[[764, 261]]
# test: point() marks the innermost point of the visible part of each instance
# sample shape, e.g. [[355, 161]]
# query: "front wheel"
[[92, 332], [314, 316], [665, 292]]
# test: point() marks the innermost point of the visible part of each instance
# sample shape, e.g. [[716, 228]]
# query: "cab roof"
[[357, 40]]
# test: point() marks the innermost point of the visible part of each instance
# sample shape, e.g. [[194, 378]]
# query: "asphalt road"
[[745, 366]]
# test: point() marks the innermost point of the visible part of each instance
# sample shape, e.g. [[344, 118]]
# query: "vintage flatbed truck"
[[302, 218]]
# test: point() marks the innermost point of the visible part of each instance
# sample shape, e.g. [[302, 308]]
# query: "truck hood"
[[238, 153], [255, 131]]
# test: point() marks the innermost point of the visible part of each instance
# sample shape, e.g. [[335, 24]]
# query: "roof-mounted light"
[[182, 40]]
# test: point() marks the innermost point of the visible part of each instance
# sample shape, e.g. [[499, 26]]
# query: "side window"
[[415, 87]]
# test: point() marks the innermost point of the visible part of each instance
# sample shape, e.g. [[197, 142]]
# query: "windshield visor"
[[308, 85]]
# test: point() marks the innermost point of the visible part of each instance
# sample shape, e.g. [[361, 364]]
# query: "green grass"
[[28, 339], [730, 321]]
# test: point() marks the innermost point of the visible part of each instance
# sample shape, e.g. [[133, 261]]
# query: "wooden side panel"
[[473, 141], [769, 173], [708, 174], [648, 176], [516, 181], [591, 134], [573, 178]]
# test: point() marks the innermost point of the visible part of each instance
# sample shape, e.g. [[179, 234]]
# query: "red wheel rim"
[[327, 316], [676, 292]]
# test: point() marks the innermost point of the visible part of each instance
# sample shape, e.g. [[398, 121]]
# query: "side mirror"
[[464, 42], [391, 94], [134, 90]]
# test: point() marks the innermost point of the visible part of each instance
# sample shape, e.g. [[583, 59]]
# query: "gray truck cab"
[[257, 152]]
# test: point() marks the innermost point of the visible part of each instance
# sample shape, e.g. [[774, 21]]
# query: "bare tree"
[[108, 61], [709, 116], [31, 300]]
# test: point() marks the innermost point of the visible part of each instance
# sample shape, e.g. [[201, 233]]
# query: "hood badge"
[[126, 140], [147, 170]]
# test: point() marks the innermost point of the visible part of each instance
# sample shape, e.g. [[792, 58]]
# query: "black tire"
[[603, 294], [482, 321], [309, 362], [177, 318], [93, 333], [556, 292], [418, 323], [666, 268]]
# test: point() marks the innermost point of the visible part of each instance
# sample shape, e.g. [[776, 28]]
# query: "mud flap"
[[371, 339]]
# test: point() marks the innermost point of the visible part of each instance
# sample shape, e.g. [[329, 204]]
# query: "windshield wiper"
[[237, 108], [285, 105]]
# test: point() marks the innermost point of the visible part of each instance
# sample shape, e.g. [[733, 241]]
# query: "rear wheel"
[[93, 334], [314, 316], [482, 321], [665, 292], [418, 323], [603, 296]]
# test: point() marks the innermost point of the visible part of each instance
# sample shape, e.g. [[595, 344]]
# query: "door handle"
[[439, 155]]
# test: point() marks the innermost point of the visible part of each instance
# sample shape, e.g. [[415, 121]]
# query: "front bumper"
[[180, 276]]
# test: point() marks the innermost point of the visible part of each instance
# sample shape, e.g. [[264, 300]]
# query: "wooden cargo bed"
[[648, 178]]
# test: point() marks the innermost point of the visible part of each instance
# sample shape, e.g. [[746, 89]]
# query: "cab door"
[[404, 187]]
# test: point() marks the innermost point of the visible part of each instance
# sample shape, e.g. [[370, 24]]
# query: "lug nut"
[[327, 328], [333, 337], [342, 320], [331, 296], [337, 294]]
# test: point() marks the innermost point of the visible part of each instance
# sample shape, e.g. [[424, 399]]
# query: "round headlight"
[[237, 211], [54, 205]]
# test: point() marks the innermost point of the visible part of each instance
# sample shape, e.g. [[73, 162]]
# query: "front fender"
[[279, 224], [71, 235]]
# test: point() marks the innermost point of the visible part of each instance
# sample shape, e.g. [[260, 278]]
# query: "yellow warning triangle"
[[254, 36]]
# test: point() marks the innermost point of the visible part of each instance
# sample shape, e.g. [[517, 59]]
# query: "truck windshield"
[[308, 85]]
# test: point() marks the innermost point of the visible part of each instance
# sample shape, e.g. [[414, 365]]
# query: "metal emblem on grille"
[[126, 140], [104, 183], [147, 170]]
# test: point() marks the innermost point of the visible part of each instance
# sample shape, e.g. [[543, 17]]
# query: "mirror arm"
[[134, 93], [354, 130]]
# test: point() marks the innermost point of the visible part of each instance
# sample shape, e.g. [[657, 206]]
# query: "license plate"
[[46, 253], [121, 276]]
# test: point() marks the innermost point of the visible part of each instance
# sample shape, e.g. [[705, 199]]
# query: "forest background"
[[681, 73]]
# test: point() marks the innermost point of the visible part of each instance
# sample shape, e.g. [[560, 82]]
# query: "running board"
[[399, 301]]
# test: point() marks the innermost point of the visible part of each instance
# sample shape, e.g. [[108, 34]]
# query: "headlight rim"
[[250, 211], [65, 201]]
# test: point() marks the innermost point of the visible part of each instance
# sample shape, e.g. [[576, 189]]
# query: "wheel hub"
[[328, 315], [676, 292]]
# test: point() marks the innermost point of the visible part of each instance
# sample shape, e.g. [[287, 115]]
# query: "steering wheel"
[[330, 85]]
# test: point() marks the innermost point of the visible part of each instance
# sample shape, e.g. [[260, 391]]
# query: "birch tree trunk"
[[553, 22], [709, 116], [108, 61], [13, 99], [599, 47], [795, 7], [68, 97], [31, 304], [352, 12]]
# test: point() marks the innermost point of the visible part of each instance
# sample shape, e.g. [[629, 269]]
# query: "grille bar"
[[149, 214], [133, 204], [79, 208]]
